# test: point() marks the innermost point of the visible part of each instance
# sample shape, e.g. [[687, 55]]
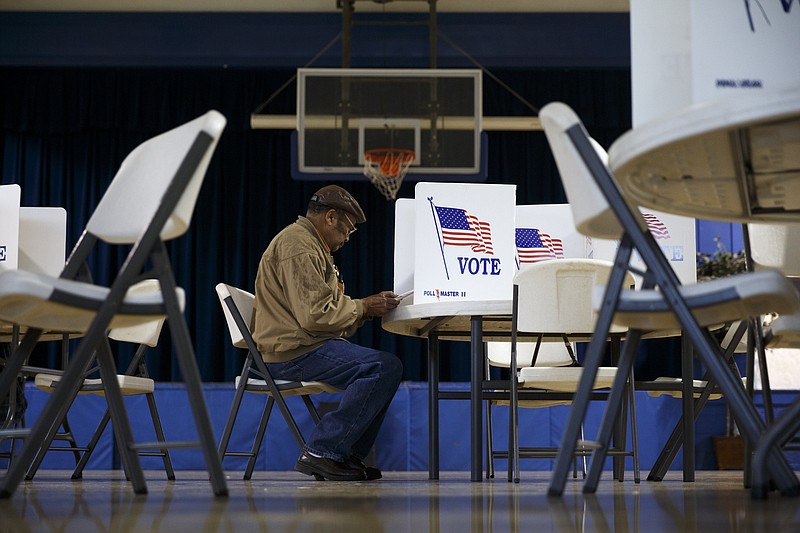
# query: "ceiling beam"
[[319, 6]]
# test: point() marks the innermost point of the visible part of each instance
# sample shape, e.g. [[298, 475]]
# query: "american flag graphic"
[[533, 246], [657, 228], [459, 228]]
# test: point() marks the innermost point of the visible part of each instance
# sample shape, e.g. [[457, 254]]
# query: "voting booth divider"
[[464, 242], [9, 226], [31, 238]]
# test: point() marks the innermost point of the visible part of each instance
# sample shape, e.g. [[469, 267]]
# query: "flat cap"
[[338, 198]]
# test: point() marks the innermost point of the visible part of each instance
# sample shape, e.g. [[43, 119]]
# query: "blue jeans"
[[369, 379]]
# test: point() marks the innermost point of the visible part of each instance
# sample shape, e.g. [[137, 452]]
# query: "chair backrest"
[[591, 212], [556, 296], [146, 333], [132, 198], [776, 246], [550, 354], [42, 240], [244, 302]]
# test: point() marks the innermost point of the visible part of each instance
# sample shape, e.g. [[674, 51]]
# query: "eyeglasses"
[[353, 226]]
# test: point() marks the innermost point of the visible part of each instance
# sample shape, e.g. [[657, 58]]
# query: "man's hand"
[[379, 304]]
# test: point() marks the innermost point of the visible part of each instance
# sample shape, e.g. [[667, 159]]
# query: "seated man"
[[302, 317]]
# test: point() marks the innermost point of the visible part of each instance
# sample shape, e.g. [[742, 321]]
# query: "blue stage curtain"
[[66, 130]]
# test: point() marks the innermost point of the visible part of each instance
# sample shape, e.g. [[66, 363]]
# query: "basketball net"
[[386, 168]]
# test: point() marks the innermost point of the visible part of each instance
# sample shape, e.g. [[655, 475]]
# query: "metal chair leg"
[[637, 472], [591, 363], [233, 412], [612, 410], [489, 442], [259, 438]]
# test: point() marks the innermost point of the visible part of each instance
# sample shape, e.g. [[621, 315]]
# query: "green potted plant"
[[728, 448], [719, 264]]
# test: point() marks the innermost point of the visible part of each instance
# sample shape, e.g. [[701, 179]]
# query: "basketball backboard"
[[343, 113]]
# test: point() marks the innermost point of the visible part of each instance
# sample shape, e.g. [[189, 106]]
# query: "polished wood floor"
[[402, 501]]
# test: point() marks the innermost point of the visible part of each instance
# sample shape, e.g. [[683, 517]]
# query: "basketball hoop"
[[386, 168]]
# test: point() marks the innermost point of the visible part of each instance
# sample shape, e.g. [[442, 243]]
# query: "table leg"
[[433, 407], [476, 398], [675, 440], [618, 436], [687, 402]]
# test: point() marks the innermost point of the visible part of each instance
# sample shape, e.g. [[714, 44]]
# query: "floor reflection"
[[402, 501]]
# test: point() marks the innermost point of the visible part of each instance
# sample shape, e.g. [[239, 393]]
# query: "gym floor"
[[401, 501]]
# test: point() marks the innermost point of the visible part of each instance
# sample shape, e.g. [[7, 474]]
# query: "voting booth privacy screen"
[[465, 242], [675, 236], [545, 232], [9, 226]]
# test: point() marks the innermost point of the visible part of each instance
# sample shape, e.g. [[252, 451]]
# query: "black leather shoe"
[[322, 468], [371, 472]]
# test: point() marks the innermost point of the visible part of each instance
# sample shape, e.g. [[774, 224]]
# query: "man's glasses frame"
[[353, 226]]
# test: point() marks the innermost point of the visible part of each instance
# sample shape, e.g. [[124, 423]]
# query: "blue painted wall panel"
[[403, 441], [729, 235]]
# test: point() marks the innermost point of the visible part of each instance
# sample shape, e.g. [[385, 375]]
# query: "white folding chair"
[[149, 201], [542, 354], [41, 242], [553, 298], [600, 210], [237, 306], [771, 246], [774, 246], [135, 381]]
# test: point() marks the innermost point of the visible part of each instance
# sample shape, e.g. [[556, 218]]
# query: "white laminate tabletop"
[[453, 317], [453, 321], [735, 159], [7, 333]]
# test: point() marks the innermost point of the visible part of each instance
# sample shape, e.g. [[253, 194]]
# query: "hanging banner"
[[744, 47], [689, 51], [661, 66]]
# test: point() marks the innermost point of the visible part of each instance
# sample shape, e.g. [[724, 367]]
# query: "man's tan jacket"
[[299, 302]]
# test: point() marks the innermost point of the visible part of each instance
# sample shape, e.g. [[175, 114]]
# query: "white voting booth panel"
[[556, 237], [675, 236], [464, 242], [42, 240], [546, 231], [9, 226], [540, 232], [33, 239], [404, 218]]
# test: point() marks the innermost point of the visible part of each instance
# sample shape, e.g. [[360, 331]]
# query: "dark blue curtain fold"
[[66, 130]]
